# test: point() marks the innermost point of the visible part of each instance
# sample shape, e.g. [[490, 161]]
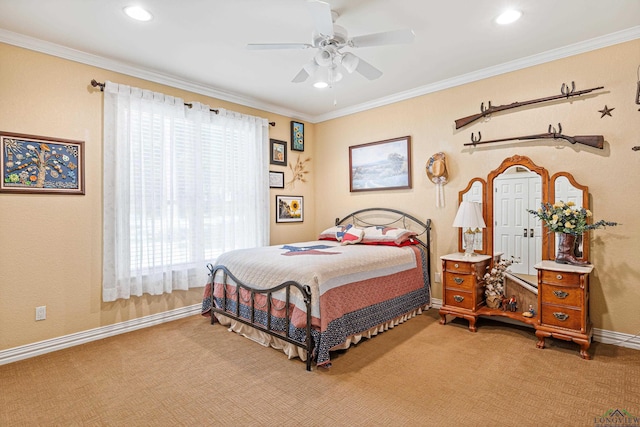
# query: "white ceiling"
[[200, 45]]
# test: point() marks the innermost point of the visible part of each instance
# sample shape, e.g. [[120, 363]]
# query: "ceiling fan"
[[329, 39]]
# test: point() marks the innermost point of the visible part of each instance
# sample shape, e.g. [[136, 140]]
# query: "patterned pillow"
[[388, 235], [330, 233], [351, 235]]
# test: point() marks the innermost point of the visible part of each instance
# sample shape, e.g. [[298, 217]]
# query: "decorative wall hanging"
[[278, 152], [298, 172], [437, 172], [289, 209], [276, 179], [39, 164], [565, 92], [383, 165], [595, 141], [297, 136], [606, 111]]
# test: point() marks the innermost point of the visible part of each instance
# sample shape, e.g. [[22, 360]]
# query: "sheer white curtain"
[[181, 186]]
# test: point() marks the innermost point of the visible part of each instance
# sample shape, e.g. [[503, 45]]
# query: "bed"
[[368, 273]]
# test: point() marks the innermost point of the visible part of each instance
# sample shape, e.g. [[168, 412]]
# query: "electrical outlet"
[[41, 312], [438, 277]]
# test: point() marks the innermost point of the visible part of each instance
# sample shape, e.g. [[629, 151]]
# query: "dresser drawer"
[[459, 281], [461, 299], [562, 295], [559, 278], [563, 317], [459, 267]]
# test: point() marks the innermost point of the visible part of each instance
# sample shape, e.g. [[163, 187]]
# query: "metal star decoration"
[[606, 111]]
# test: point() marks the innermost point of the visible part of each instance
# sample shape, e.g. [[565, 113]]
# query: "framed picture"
[[278, 152], [383, 165], [289, 209], [276, 179], [40, 164], [297, 136]]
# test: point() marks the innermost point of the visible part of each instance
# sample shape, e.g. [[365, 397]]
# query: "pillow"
[[331, 232], [387, 235], [409, 242], [350, 236]]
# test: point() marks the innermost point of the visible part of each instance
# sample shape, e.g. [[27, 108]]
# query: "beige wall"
[[51, 245], [612, 174]]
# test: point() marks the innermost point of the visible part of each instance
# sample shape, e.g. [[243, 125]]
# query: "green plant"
[[562, 217]]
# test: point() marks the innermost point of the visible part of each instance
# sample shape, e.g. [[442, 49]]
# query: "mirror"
[[565, 188], [516, 185], [475, 192], [505, 230]]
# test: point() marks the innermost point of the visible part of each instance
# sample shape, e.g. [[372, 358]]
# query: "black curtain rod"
[[96, 83]]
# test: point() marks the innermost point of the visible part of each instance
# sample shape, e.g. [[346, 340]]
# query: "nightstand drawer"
[[459, 281], [563, 317], [461, 299], [560, 278], [459, 267], [561, 295]]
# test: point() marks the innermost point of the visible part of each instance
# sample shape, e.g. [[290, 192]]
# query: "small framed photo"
[[383, 165], [297, 136], [40, 164], [276, 179], [278, 152], [289, 209]]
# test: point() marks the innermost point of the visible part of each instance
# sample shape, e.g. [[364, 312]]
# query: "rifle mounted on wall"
[[595, 141], [565, 92]]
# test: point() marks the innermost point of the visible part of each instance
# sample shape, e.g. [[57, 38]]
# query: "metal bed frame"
[[363, 217]]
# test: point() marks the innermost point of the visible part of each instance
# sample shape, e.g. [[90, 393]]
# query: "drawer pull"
[[458, 280], [456, 265], [458, 298], [559, 277], [560, 316], [561, 294]]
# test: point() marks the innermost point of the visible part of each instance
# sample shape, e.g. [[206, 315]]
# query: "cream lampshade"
[[469, 218]]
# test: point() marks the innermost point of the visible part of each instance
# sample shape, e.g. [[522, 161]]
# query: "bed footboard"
[[230, 307]]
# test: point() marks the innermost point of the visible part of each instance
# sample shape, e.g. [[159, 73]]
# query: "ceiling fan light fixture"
[[508, 17], [138, 13], [350, 62]]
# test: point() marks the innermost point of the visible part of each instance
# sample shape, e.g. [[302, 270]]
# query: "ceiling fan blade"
[[367, 70], [321, 14], [266, 46], [380, 39], [306, 72]]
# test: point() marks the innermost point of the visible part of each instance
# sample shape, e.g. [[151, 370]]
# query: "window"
[[181, 186]]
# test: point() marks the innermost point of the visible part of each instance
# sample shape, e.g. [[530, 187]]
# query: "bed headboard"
[[392, 218]]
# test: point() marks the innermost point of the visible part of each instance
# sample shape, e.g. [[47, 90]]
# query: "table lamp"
[[469, 218]]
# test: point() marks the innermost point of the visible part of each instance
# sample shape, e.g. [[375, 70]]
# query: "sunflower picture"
[[289, 209]]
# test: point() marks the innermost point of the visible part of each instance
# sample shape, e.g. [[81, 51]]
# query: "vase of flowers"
[[569, 221], [494, 283]]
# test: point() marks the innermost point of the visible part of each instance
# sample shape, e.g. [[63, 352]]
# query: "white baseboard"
[[48, 346], [599, 335]]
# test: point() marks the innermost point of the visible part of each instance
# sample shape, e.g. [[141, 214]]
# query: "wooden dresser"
[[463, 286], [563, 304], [562, 301]]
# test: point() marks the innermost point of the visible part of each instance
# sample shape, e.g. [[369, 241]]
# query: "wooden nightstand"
[[563, 304], [462, 286]]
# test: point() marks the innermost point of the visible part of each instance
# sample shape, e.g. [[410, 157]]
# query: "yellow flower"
[[589, 212], [294, 205], [569, 225], [570, 204]]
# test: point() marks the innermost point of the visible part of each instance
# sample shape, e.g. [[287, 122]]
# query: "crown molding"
[[507, 67], [64, 52], [154, 76]]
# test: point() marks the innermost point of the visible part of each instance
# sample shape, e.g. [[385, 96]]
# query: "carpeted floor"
[[189, 373]]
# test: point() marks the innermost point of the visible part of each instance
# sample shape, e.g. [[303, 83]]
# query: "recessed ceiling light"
[[508, 17], [137, 13], [320, 84]]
